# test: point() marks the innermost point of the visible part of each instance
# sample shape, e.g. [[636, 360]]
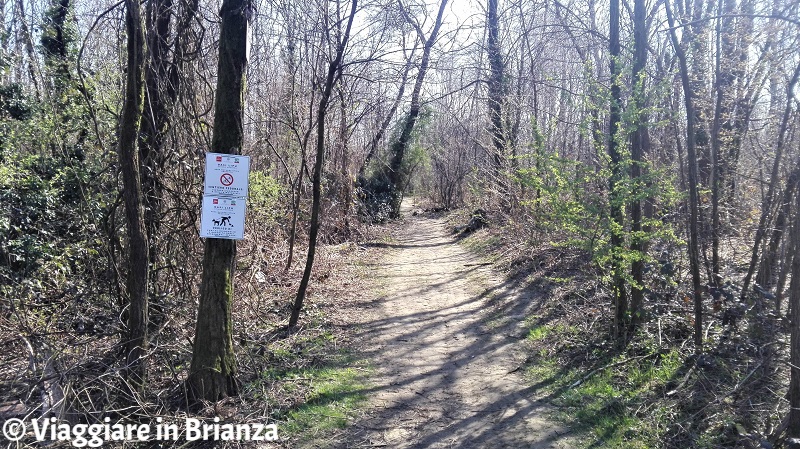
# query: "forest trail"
[[445, 369]]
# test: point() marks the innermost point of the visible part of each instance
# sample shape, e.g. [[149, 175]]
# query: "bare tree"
[[396, 174], [692, 181], [794, 383], [138, 260], [333, 75], [497, 98], [767, 203]]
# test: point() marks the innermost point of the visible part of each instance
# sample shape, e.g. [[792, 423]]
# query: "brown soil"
[[446, 361]]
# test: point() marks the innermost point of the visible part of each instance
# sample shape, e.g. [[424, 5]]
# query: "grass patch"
[[484, 245], [541, 331], [612, 404], [334, 397], [311, 385], [315, 401]]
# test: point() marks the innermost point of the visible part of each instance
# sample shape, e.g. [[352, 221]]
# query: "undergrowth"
[[653, 391]]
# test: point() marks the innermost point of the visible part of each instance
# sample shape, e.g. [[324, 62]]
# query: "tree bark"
[[794, 288], [130, 122], [766, 206], [334, 73], [617, 207], [640, 145], [692, 181], [213, 371], [396, 175], [497, 98]]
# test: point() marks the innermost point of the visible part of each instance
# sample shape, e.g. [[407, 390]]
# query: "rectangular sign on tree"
[[222, 218], [225, 196], [227, 175]]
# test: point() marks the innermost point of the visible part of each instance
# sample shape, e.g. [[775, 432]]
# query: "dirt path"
[[445, 375]]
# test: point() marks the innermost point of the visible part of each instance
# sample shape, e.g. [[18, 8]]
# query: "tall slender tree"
[[497, 98], [692, 181], [794, 288], [621, 312], [333, 75], [640, 145], [396, 173], [129, 125]]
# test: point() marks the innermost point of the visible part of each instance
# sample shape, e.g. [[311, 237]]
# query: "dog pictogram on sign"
[[222, 217], [226, 179]]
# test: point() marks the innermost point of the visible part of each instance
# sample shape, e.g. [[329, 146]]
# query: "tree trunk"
[[296, 192], [22, 22], [497, 98], [344, 173], [697, 41], [130, 121], [640, 145], [396, 174], [723, 79], [373, 144], [765, 272], [213, 372], [766, 206], [692, 181], [621, 317], [794, 289], [155, 123], [332, 77]]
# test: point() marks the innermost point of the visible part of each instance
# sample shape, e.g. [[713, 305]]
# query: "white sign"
[[227, 175], [222, 218]]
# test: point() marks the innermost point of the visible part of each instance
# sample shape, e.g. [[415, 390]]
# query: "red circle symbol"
[[226, 179]]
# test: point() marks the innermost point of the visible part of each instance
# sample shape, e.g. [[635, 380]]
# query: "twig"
[[683, 382], [611, 365]]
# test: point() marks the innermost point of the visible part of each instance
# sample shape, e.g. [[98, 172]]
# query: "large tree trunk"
[[162, 88], [130, 121], [692, 181], [332, 77], [213, 372]]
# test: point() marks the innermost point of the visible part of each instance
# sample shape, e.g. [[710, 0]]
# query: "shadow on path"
[[444, 339]]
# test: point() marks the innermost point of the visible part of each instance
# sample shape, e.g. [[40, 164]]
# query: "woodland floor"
[[440, 331]]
